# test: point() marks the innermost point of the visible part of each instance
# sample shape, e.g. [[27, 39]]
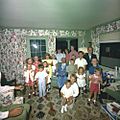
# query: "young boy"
[[71, 69], [42, 78], [67, 95], [61, 73]]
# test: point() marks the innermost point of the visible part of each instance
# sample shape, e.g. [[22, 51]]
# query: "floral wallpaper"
[[13, 47], [95, 34]]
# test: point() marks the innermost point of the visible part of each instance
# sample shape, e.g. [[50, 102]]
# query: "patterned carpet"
[[49, 109]]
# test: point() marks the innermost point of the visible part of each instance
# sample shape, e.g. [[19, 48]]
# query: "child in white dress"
[[81, 79], [29, 72]]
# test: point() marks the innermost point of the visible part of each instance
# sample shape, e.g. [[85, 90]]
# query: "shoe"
[[34, 93], [62, 109], [88, 102], [29, 96], [95, 104]]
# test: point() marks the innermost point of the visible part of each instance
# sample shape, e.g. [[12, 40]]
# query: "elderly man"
[[89, 56]]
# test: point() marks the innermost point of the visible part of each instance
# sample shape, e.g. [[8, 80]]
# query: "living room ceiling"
[[57, 14]]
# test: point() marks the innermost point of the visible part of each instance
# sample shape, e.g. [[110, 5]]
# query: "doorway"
[[63, 43]]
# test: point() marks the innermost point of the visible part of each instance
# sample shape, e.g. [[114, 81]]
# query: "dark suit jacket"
[[86, 56]]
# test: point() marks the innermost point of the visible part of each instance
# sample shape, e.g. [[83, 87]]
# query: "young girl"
[[54, 66], [42, 78], [48, 70], [81, 79], [95, 81], [36, 63], [67, 57], [67, 96], [29, 72]]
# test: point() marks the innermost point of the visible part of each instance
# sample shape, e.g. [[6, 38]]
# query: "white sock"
[[62, 109], [65, 108]]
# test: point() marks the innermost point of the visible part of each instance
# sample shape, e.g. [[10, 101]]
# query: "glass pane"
[[38, 47], [43, 48], [42, 42]]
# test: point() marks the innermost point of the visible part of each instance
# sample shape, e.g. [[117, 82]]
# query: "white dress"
[[81, 80]]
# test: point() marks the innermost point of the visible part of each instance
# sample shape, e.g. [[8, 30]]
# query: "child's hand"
[[90, 77]]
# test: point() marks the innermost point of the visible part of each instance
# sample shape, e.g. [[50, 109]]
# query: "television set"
[[110, 54]]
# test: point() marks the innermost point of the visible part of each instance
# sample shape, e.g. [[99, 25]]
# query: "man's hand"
[[19, 87]]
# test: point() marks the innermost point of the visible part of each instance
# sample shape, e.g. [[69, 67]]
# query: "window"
[[36, 47]]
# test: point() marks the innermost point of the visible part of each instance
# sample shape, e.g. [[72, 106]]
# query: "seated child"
[[42, 78], [81, 79], [67, 96], [95, 81]]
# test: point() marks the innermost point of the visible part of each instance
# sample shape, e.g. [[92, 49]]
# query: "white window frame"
[[28, 51]]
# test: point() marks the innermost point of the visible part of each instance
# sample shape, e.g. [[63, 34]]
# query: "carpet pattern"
[[49, 109]]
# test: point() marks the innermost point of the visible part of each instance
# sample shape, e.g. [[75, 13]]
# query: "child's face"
[[36, 58], [94, 62], [41, 69], [80, 55], [73, 57], [68, 85], [72, 79], [80, 71], [97, 73], [44, 64], [72, 62], [30, 61], [47, 56], [53, 56], [63, 60], [59, 50]]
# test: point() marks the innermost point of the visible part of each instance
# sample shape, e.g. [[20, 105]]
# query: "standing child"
[[36, 63], [61, 73], [54, 66], [71, 68], [29, 72], [42, 78], [48, 70], [95, 81], [67, 96], [81, 79]]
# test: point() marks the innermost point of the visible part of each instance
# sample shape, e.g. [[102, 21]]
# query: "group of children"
[[39, 72]]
